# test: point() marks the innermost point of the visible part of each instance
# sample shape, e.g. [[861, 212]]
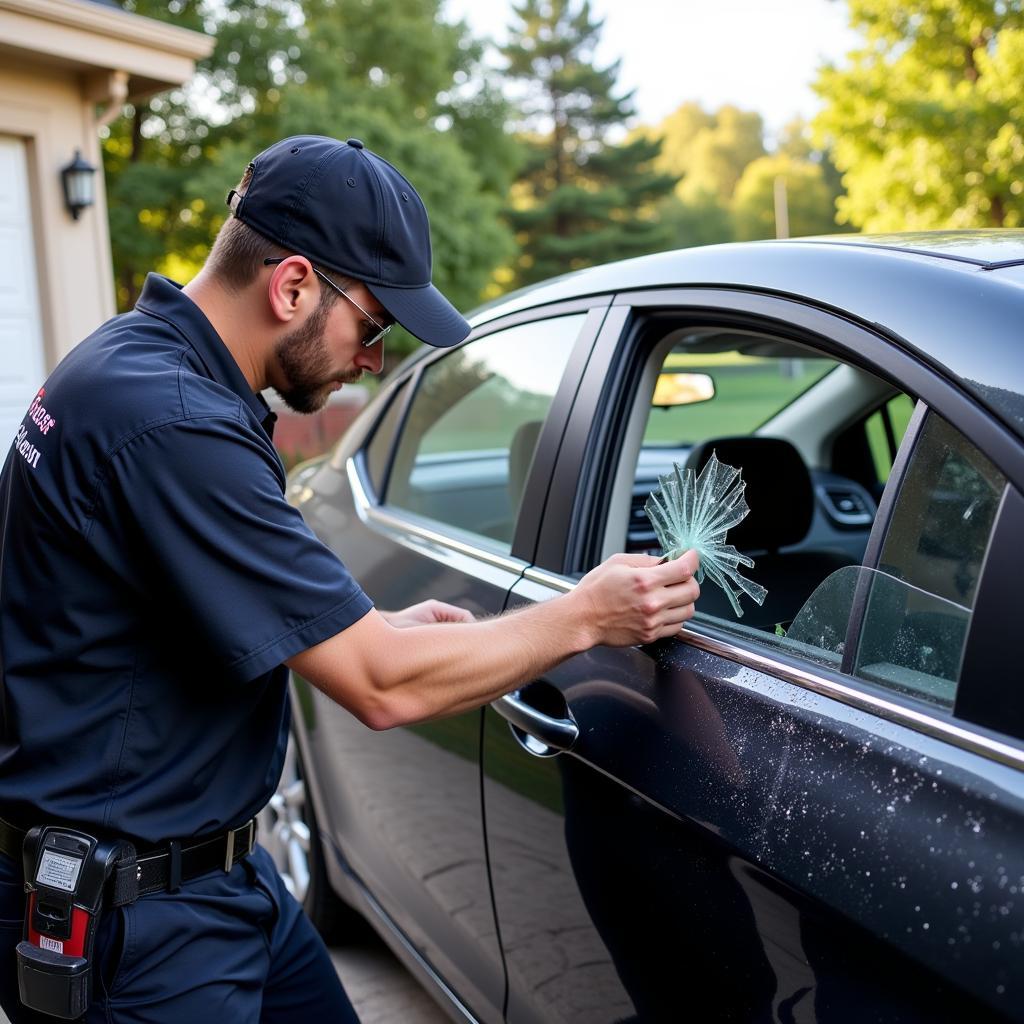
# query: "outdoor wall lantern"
[[79, 187]]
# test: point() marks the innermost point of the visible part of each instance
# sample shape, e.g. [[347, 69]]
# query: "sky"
[[758, 54]]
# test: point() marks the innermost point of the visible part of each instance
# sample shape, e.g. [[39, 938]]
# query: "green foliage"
[[808, 199], [701, 220], [581, 199], [707, 152], [925, 119], [392, 73], [726, 180]]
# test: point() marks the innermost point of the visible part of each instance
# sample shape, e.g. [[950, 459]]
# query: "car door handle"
[[544, 735]]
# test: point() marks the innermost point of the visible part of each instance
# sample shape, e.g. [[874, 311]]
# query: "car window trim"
[[862, 697], [404, 390]]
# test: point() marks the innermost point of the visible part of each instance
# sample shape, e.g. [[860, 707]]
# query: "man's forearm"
[[389, 676], [427, 671]]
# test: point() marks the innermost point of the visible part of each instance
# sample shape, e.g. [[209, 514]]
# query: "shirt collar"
[[163, 298]]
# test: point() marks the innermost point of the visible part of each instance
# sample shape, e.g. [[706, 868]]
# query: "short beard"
[[306, 362]]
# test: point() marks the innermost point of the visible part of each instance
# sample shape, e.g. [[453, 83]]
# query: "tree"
[[701, 220], [581, 199], [809, 202], [153, 152], [393, 74], [707, 152], [926, 119]]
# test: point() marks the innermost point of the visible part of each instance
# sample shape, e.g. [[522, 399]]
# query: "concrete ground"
[[381, 990]]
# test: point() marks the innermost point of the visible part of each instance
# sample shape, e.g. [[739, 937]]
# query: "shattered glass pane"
[[696, 512]]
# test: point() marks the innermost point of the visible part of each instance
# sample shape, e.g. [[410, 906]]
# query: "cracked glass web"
[[696, 512]]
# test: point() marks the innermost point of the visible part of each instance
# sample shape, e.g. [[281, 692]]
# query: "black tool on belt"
[[71, 877]]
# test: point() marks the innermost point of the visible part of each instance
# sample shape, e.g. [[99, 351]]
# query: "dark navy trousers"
[[225, 948]]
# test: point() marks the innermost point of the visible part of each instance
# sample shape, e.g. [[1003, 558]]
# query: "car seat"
[[781, 500]]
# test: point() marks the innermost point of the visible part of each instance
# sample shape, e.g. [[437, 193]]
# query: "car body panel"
[[769, 847], [403, 806], [736, 834]]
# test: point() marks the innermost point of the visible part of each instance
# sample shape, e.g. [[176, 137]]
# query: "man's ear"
[[292, 287]]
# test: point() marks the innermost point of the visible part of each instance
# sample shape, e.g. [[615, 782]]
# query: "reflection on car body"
[[814, 811]]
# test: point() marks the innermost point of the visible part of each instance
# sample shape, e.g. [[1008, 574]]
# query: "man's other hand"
[[426, 612], [635, 599]]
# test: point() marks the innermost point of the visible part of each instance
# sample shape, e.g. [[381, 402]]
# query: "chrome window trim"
[[938, 728], [370, 513]]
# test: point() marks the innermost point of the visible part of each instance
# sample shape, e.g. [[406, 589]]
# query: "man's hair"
[[238, 252]]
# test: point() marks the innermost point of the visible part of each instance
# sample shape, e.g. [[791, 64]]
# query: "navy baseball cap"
[[344, 208]]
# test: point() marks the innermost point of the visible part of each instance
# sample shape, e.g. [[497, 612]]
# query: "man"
[[155, 583]]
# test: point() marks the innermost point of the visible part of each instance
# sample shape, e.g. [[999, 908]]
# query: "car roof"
[[954, 299]]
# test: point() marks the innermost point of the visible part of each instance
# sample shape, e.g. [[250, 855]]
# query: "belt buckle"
[[229, 850]]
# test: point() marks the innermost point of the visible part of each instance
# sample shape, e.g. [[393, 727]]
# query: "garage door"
[[21, 336]]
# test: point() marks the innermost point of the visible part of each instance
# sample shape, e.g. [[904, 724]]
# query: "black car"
[[812, 811]]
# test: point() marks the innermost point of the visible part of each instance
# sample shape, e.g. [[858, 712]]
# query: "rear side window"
[[920, 602], [468, 442]]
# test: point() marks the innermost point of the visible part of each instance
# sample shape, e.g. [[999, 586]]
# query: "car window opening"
[[816, 439]]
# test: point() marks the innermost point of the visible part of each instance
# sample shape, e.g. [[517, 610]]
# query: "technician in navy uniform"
[[155, 584]]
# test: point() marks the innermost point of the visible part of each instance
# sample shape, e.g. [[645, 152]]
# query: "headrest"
[[779, 490]]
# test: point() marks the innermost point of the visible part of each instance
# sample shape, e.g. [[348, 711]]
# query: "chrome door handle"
[[544, 735]]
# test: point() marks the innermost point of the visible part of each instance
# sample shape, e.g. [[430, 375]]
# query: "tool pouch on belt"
[[70, 878]]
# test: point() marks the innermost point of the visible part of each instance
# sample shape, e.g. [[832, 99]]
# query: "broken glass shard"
[[690, 511]]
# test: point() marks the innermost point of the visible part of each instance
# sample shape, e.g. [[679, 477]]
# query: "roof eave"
[[90, 37]]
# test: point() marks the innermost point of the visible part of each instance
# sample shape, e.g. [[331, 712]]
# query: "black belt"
[[165, 868]]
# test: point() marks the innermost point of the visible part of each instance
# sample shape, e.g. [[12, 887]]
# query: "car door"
[[816, 822], [425, 503]]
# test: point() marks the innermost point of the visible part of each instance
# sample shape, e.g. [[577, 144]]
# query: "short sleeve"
[[193, 514]]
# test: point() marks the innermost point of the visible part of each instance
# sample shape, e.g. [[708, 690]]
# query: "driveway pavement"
[[381, 990]]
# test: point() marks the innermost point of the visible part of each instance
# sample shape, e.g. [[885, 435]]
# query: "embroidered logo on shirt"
[[38, 415], [40, 418]]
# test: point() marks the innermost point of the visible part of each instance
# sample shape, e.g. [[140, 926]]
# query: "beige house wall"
[[76, 288], [62, 63]]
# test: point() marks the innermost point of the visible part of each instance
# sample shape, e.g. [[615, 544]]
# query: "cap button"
[[355, 143]]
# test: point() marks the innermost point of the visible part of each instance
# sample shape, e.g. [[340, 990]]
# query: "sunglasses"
[[375, 330]]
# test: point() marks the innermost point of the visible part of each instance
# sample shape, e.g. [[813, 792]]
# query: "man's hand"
[[426, 612], [635, 599]]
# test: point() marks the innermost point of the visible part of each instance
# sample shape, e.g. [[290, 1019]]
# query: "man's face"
[[326, 352]]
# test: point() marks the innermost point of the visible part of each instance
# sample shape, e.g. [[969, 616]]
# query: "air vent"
[[846, 505]]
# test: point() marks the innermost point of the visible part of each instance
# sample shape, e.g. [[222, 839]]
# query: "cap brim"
[[423, 312]]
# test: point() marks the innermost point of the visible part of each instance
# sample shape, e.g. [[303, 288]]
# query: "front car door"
[[423, 500], [802, 813]]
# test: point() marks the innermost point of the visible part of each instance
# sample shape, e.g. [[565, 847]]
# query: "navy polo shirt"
[[154, 578]]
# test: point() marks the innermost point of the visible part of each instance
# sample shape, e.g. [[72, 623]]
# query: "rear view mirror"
[[675, 389]]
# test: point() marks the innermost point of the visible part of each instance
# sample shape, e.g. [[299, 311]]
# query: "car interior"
[[800, 427]]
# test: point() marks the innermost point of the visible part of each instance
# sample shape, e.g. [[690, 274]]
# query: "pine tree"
[[581, 199]]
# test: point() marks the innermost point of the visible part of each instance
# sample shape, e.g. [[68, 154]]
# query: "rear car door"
[[423, 500], [816, 815]]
